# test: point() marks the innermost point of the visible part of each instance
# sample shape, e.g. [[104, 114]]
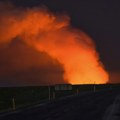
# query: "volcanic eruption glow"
[[53, 34]]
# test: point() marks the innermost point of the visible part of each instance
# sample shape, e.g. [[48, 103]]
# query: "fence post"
[[94, 87], [53, 95], [13, 103], [77, 91], [49, 93]]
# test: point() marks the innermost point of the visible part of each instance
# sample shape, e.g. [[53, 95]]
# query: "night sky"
[[99, 19]]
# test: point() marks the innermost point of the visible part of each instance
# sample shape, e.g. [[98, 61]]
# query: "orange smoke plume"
[[53, 34]]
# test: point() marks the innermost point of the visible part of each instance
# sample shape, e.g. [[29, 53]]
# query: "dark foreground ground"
[[30, 95], [100, 105]]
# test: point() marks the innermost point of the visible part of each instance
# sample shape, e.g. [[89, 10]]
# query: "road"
[[87, 106]]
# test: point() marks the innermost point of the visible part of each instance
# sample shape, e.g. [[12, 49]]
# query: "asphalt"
[[99, 105]]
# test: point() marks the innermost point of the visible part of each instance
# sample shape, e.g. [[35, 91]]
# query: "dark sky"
[[98, 18]]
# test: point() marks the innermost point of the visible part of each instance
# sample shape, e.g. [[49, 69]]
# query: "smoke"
[[46, 32], [114, 77], [20, 65]]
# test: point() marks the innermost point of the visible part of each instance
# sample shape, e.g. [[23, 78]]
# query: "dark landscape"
[[32, 103], [59, 60]]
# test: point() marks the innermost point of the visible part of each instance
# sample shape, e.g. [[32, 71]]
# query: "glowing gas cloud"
[[53, 34]]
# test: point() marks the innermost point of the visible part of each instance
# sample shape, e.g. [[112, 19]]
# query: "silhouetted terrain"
[[85, 106], [27, 96]]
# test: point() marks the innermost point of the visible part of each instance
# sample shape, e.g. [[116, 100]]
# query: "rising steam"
[[53, 34]]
